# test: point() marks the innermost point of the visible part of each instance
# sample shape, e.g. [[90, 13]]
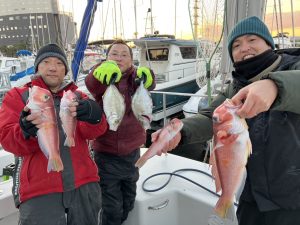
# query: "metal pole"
[[293, 25], [164, 109]]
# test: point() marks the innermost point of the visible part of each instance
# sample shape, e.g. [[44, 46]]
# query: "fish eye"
[[46, 97]]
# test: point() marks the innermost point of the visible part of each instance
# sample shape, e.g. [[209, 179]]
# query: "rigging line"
[[275, 8], [121, 21], [281, 26], [75, 33], [105, 20], [293, 25], [49, 37], [247, 8], [135, 18], [115, 15]]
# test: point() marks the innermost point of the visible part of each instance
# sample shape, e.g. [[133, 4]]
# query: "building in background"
[[35, 23]]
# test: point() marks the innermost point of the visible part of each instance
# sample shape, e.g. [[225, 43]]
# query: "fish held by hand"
[[165, 135], [231, 149], [40, 101], [68, 121]]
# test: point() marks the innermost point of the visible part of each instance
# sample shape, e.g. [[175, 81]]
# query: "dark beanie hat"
[[250, 25], [51, 50]]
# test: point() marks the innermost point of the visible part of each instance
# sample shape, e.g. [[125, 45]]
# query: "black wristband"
[[89, 111], [28, 128]]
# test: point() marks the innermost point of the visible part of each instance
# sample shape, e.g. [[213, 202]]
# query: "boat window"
[[188, 52], [158, 54], [9, 63]]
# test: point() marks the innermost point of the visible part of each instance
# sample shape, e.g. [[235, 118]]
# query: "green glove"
[[107, 71], [148, 76]]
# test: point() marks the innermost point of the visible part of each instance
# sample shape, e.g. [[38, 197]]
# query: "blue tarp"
[[81, 44], [22, 74], [23, 53]]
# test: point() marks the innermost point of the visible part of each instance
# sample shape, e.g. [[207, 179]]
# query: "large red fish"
[[232, 148], [165, 135], [40, 101], [68, 121]]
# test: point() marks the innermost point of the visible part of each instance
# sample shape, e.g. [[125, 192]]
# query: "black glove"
[[28, 128], [89, 111]]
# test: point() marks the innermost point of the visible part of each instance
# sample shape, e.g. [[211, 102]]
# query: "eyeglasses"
[[121, 56]]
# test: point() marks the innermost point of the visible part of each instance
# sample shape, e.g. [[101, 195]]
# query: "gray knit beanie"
[[250, 25], [50, 50]]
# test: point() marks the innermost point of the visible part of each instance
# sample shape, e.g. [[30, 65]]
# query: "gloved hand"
[[89, 111], [147, 74], [28, 128], [107, 71]]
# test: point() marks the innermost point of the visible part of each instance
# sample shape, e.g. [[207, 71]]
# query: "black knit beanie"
[[51, 50], [250, 25]]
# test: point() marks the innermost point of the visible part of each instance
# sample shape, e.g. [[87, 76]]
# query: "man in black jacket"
[[267, 84]]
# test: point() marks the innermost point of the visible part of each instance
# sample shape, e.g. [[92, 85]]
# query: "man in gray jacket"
[[267, 83]]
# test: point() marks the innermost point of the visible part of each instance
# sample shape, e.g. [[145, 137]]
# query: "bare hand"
[[170, 144], [73, 108], [257, 97]]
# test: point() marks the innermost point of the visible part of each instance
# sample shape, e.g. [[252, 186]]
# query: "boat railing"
[[5, 85], [164, 100]]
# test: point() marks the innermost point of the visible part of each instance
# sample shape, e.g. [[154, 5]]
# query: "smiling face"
[[248, 46], [120, 53], [53, 72]]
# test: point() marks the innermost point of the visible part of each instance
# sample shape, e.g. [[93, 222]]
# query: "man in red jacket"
[[68, 197]]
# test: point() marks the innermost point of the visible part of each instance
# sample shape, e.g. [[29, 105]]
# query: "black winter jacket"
[[273, 168]]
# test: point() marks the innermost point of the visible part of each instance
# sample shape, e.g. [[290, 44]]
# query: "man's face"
[[121, 55], [53, 72], [248, 46]]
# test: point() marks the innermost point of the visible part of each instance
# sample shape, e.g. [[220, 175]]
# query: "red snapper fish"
[[228, 159], [41, 101], [165, 135], [68, 121]]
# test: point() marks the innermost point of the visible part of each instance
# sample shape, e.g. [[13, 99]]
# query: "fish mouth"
[[146, 117]]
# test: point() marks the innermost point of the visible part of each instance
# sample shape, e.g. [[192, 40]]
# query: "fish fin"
[[249, 147], [141, 161], [214, 171], [241, 186], [70, 142], [225, 208], [230, 213], [55, 164], [215, 220]]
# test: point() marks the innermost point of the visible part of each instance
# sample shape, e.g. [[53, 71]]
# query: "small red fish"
[[165, 135], [68, 121], [41, 101], [231, 150]]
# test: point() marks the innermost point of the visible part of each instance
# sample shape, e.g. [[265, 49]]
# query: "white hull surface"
[[180, 202]]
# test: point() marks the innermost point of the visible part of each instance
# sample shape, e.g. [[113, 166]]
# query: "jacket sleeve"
[[288, 83], [92, 131], [199, 127], [94, 86], [11, 135]]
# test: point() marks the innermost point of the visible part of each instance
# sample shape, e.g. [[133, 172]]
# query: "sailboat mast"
[[151, 17], [136, 32], [196, 17]]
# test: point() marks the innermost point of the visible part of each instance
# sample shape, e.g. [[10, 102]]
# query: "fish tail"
[[141, 162], [55, 164], [225, 209], [70, 142]]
